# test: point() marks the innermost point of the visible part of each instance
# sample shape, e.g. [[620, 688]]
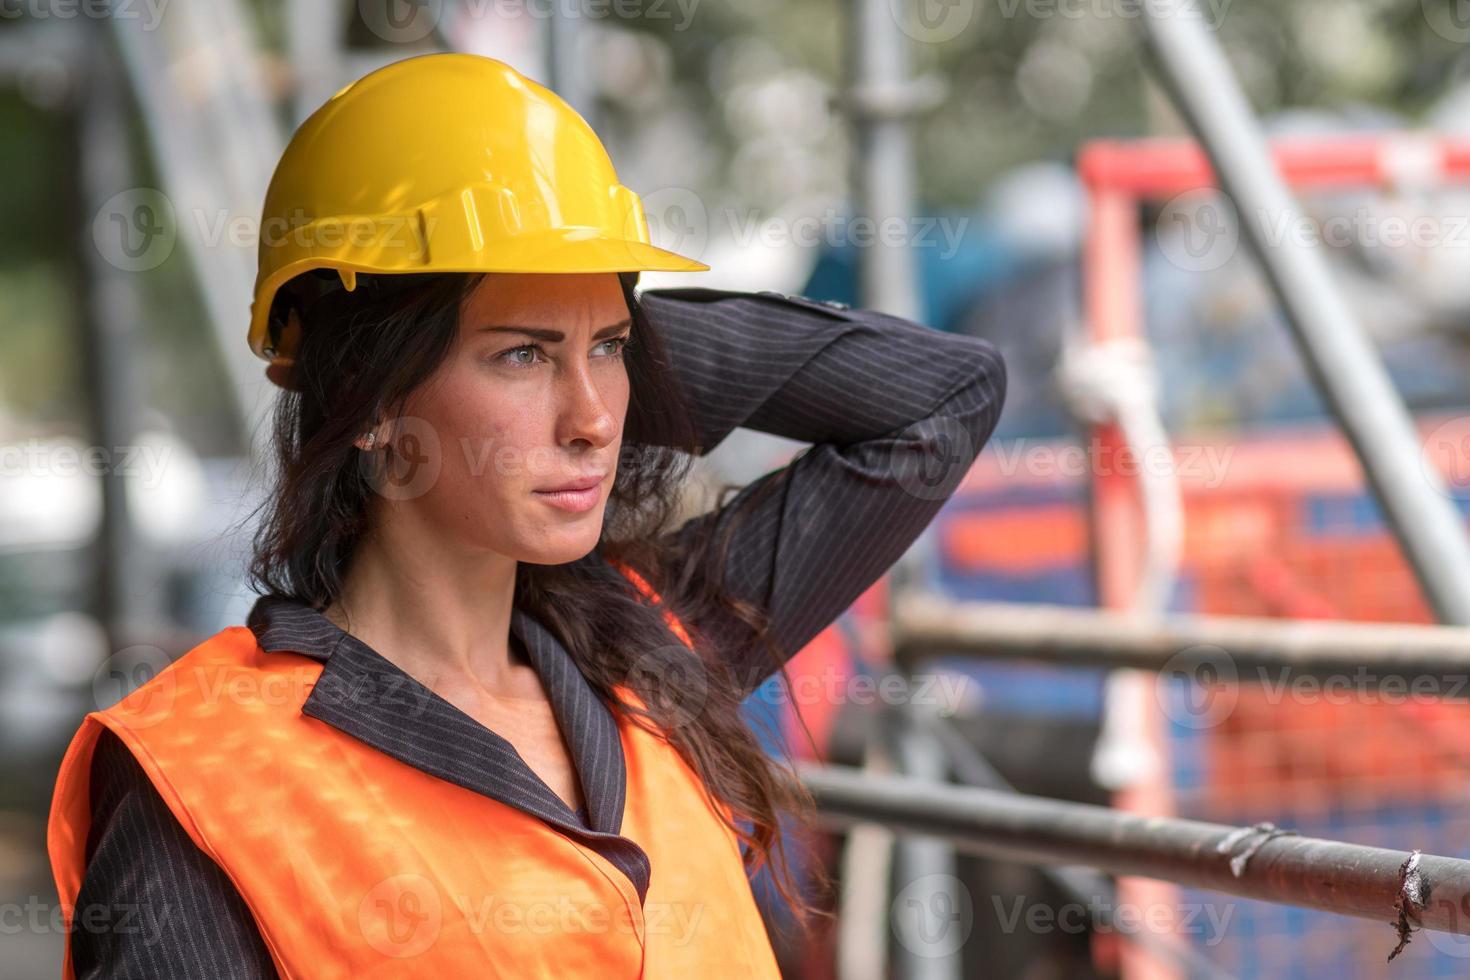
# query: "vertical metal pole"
[[924, 870], [127, 588], [883, 170], [929, 912], [565, 38], [315, 45], [1338, 354]]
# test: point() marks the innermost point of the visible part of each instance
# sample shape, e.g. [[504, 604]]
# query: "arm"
[[896, 412], [172, 911]]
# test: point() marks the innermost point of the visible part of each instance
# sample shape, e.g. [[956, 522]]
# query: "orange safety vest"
[[355, 864]]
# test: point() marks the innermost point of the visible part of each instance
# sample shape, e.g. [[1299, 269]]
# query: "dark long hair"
[[360, 355]]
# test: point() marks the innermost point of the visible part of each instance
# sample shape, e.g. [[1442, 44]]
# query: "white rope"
[[1115, 381]]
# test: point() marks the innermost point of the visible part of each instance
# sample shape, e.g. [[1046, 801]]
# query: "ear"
[[280, 375]]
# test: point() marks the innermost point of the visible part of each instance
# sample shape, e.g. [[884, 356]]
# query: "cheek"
[[487, 438]]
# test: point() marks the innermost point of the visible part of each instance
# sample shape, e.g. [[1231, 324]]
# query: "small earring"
[[372, 438]]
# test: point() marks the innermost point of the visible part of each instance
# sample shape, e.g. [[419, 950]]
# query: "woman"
[[484, 719]]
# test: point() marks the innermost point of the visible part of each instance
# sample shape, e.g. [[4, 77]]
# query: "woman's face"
[[531, 399]]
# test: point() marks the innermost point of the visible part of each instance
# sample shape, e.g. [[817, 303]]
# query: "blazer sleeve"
[[896, 414], [189, 921]]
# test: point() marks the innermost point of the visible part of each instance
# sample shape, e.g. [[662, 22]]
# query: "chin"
[[562, 546]]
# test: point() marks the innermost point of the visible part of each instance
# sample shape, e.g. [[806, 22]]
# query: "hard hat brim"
[[567, 251]]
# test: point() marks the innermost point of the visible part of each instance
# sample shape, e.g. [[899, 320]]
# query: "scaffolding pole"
[[1263, 862], [927, 626], [1337, 352]]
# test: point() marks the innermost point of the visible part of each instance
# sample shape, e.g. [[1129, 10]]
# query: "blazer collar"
[[367, 696]]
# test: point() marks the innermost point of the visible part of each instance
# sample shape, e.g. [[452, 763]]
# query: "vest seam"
[[161, 782], [588, 854]]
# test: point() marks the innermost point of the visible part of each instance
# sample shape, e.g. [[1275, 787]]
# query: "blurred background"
[[1043, 188]]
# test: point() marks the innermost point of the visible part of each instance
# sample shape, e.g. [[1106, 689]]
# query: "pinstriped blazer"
[[862, 387]]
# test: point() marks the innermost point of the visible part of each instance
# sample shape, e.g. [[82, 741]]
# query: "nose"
[[586, 415]]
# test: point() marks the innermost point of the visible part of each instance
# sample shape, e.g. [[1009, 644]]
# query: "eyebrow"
[[557, 336]]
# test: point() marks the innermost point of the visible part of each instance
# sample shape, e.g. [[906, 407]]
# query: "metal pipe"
[[884, 186], [927, 626], [925, 870], [215, 140], [1338, 354], [1083, 886], [884, 172], [1259, 862], [126, 571]]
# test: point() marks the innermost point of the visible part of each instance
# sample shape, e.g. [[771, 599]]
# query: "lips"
[[585, 483]]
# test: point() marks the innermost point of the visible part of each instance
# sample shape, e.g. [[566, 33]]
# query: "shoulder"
[[199, 672], [118, 786], [139, 856]]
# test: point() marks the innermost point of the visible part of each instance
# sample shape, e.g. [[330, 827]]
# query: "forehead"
[[567, 300]]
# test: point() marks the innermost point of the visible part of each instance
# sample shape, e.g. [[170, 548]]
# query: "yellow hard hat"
[[444, 163]]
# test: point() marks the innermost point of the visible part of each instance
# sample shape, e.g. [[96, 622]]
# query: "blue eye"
[[621, 342], [508, 356]]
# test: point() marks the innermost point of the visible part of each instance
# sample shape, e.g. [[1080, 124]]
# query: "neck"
[[435, 610]]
